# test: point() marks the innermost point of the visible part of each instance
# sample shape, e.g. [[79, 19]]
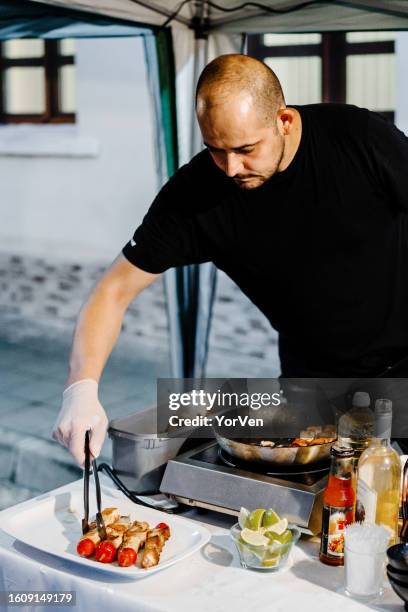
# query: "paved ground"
[[32, 375]]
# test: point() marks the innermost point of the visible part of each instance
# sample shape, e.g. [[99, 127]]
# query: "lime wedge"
[[283, 538], [254, 538], [270, 518], [279, 527], [243, 517], [272, 554], [254, 520], [270, 561]]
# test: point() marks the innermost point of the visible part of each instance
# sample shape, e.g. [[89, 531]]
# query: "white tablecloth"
[[209, 580]]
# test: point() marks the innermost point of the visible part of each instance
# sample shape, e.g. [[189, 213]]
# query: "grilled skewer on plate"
[[124, 540], [91, 539], [133, 540], [155, 541], [109, 515]]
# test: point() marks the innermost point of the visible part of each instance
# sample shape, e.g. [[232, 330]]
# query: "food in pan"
[[124, 540], [310, 436]]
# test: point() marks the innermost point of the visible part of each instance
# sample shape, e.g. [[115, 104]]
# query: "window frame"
[[52, 60], [333, 51]]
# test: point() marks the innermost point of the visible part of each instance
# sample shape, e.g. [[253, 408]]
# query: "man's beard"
[[247, 182]]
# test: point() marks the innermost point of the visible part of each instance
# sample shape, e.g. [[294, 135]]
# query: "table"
[[210, 580]]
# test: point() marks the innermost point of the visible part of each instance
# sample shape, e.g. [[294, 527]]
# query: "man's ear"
[[286, 118]]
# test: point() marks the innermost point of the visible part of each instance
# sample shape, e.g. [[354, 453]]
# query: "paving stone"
[[10, 356], [44, 465], [39, 389], [129, 406], [12, 378], [9, 403], [49, 368], [124, 389], [111, 392], [33, 420]]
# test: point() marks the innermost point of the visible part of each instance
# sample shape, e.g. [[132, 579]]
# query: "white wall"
[[83, 207], [401, 115]]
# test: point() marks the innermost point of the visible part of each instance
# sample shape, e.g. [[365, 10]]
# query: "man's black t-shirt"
[[321, 248]]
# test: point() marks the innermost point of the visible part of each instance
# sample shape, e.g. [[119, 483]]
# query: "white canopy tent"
[[237, 16], [202, 29], [186, 35]]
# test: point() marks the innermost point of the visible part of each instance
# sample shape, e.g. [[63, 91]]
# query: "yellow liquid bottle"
[[379, 475]]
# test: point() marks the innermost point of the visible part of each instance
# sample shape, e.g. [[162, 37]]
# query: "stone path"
[[32, 376]]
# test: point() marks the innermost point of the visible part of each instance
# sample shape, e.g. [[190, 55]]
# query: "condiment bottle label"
[[334, 521], [366, 506]]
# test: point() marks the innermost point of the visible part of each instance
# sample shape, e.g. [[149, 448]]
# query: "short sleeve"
[[389, 154], [170, 234]]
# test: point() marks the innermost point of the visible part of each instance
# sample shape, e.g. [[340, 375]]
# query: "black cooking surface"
[[303, 474]]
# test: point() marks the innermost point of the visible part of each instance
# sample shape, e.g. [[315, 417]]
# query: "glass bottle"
[[356, 427], [379, 475], [338, 506]]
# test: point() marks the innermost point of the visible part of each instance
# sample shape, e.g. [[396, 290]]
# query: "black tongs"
[[100, 525]]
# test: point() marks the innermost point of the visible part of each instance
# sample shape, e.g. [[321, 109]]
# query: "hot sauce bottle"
[[338, 506]]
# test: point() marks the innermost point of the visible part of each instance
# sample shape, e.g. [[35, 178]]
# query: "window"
[[354, 68], [37, 81], [296, 60], [370, 71]]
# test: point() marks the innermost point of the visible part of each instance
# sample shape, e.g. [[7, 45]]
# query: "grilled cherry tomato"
[[126, 557], [85, 547], [162, 526], [105, 552]]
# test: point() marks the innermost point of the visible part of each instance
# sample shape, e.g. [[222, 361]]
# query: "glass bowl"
[[270, 557]]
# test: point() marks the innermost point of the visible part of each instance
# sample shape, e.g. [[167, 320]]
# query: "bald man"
[[304, 207]]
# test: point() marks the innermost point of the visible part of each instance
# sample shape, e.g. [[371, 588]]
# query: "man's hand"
[[81, 410]]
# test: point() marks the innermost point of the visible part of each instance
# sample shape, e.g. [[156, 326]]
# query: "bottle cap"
[[383, 418], [383, 406], [361, 399], [341, 452]]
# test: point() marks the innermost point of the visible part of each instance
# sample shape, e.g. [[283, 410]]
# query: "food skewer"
[[91, 538], [133, 540], [124, 540], [155, 541]]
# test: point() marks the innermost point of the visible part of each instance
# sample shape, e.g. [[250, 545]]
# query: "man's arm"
[[96, 332], [100, 319]]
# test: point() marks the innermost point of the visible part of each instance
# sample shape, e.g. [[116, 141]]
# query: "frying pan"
[[304, 406], [252, 451]]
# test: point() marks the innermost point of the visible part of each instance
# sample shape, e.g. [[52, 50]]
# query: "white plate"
[[53, 524]]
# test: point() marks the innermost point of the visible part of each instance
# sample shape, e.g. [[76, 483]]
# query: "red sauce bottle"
[[338, 506]]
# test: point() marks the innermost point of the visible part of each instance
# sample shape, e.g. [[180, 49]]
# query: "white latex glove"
[[80, 411]]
